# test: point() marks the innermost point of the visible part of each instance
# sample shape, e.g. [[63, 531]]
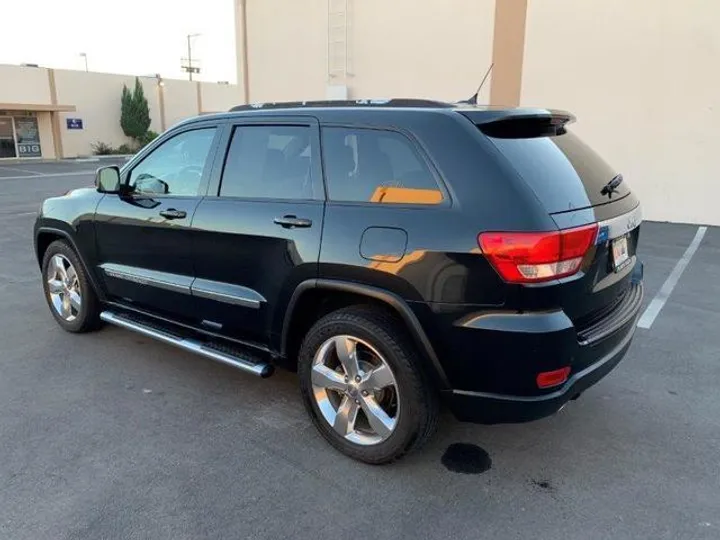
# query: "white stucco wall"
[[643, 79]]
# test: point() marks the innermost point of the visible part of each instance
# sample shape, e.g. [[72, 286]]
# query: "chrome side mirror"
[[107, 179]]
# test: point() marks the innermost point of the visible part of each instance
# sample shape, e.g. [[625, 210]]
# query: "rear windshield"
[[565, 173]]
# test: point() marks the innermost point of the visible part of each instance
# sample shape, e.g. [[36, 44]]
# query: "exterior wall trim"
[[508, 52], [55, 117]]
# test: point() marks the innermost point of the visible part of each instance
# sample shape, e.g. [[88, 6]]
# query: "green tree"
[[126, 114], [134, 112]]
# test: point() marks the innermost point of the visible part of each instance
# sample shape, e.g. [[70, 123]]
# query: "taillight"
[[523, 257]]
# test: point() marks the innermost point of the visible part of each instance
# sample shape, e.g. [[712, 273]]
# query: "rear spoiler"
[[519, 123]]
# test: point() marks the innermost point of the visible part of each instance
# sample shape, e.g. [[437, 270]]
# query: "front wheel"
[[362, 384], [68, 291]]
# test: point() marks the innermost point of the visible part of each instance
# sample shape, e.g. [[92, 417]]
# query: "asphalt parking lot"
[[112, 435]]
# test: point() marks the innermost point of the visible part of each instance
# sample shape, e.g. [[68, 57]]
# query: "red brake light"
[[522, 257], [548, 379]]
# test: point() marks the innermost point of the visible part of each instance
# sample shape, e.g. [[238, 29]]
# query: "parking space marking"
[[6, 168], [51, 175], [652, 311]]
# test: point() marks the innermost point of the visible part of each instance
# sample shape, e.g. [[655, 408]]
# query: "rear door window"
[[269, 162], [564, 172], [376, 166]]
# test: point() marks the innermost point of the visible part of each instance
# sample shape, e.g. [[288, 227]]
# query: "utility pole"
[[187, 63], [84, 55]]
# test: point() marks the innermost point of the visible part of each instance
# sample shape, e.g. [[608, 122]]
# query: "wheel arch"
[[44, 236], [369, 294]]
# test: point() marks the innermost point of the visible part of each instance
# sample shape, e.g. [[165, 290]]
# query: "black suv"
[[397, 254]]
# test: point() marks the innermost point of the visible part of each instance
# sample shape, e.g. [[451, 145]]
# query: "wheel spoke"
[[325, 377], [71, 274], [75, 300], [345, 418], [66, 310], [347, 354], [55, 286], [380, 377], [379, 421], [59, 267]]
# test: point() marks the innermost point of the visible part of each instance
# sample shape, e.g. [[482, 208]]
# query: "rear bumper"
[[499, 385], [488, 408]]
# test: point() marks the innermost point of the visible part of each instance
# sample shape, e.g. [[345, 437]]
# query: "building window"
[[19, 137], [28, 136]]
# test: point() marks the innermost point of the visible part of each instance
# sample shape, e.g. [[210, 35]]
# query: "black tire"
[[87, 318], [418, 401]]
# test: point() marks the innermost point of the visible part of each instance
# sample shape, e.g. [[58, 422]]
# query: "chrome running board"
[[219, 353]]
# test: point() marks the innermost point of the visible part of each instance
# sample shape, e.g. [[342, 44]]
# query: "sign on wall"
[[74, 123], [28, 136]]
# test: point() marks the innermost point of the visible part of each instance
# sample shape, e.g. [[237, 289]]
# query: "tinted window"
[[269, 162], [176, 166], [564, 172], [367, 165]]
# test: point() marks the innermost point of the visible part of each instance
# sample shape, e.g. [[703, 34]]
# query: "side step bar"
[[236, 360]]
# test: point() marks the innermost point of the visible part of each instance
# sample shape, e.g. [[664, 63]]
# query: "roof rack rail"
[[397, 102]]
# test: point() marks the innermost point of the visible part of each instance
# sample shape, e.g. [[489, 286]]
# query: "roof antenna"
[[473, 99]]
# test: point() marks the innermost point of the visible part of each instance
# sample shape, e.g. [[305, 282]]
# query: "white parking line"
[[6, 168], [652, 311], [51, 175]]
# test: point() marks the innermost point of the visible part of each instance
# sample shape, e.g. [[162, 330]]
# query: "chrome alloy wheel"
[[64, 288], [355, 390]]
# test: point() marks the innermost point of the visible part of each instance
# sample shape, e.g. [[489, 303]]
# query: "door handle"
[[288, 222], [171, 213]]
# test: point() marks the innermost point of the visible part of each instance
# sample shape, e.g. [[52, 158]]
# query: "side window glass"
[[368, 165], [269, 162], [176, 166]]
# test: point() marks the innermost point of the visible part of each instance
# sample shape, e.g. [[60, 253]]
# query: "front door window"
[[176, 166]]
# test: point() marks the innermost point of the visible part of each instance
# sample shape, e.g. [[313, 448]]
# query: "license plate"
[[620, 253]]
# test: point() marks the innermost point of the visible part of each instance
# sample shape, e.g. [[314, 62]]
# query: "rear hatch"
[[577, 188]]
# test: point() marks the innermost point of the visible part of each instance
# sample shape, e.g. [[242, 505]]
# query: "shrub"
[[102, 149], [147, 138], [134, 112], [125, 149]]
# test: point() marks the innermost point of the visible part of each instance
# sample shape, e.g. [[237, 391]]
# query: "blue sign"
[[74, 123]]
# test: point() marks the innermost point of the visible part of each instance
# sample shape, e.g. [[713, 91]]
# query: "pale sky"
[[139, 37]]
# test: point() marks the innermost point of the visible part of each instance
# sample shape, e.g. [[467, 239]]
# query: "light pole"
[[190, 68], [84, 55]]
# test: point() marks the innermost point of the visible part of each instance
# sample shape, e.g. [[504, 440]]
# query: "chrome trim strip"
[[623, 224], [226, 292], [261, 369], [522, 323], [202, 288], [143, 276]]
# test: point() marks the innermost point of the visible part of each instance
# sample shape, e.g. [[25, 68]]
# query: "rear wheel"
[[363, 385], [68, 292]]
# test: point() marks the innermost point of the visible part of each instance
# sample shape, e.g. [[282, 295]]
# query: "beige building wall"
[[97, 98], [24, 85], [643, 78], [46, 137], [219, 97], [407, 48], [181, 101], [403, 48], [287, 45]]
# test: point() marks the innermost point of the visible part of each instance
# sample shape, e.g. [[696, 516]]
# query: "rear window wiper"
[[611, 186]]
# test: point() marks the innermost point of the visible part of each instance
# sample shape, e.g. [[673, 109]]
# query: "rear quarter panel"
[[442, 262]]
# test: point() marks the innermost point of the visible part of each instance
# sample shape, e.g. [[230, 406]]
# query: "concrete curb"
[[95, 159]]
